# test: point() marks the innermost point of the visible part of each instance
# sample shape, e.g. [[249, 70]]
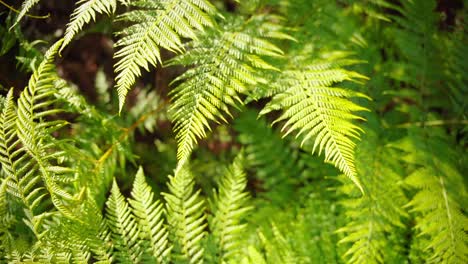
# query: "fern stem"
[[126, 132], [447, 208], [434, 123]]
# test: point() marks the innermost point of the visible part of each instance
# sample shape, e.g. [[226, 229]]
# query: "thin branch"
[[18, 11]]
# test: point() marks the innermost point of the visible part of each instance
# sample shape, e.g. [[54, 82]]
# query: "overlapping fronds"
[[229, 209], [313, 108], [207, 91], [186, 217], [85, 12], [155, 25], [34, 130], [440, 199], [18, 173], [150, 219], [77, 240], [124, 227], [376, 227]]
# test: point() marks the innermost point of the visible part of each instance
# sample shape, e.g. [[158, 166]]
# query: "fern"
[[25, 7], [185, 217], [27, 156], [206, 91], [124, 227], [31, 107], [293, 63], [155, 25], [377, 219], [229, 208], [439, 197], [313, 108], [150, 218], [83, 14]]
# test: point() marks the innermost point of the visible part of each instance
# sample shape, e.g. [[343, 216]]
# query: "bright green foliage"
[[84, 13], [150, 217], [439, 199], [33, 130], [377, 86], [376, 220], [312, 108], [155, 25], [208, 90], [124, 228], [229, 209], [186, 218]]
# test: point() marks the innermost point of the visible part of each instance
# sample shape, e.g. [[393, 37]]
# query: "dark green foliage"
[[377, 86]]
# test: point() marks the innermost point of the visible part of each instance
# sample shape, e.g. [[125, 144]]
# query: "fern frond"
[[85, 12], [208, 90], [149, 215], [229, 209], [25, 7], [21, 176], [33, 128], [156, 25], [440, 197], [375, 227], [186, 217], [124, 227], [313, 108]]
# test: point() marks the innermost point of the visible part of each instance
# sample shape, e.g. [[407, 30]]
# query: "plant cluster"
[[292, 132]]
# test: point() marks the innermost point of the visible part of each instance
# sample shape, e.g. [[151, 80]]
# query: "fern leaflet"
[[84, 13]]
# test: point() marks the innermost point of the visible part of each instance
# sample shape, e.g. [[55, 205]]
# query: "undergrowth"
[[291, 132]]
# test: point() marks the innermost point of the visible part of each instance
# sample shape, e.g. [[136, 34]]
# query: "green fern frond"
[[21, 176], [149, 215], [33, 128], [229, 209], [124, 227], [85, 12], [375, 220], [186, 217], [25, 7], [156, 25], [315, 109], [208, 90], [440, 198]]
